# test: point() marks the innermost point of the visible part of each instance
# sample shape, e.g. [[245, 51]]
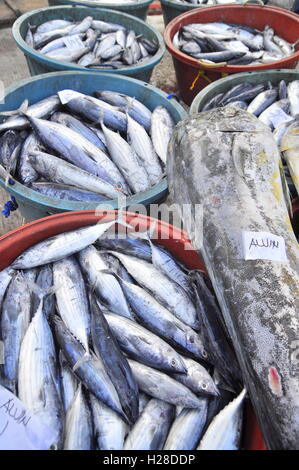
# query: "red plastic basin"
[[172, 238], [193, 76]]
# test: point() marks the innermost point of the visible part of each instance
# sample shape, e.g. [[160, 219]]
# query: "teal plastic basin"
[[34, 205], [39, 64], [138, 9], [224, 84]]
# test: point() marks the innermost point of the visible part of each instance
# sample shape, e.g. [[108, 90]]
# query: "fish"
[[106, 287], [196, 378], [78, 424], [39, 110], [6, 276], [78, 151], [134, 108], [89, 369], [159, 385], [109, 429], [248, 163], [38, 386], [262, 102], [15, 318], [161, 321], [69, 382], [44, 284], [143, 148], [60, 246], [93, 109], [126, 160], [224, 432], [165, 290], [26, 173], [71, 299], [116, 364], [66, 193], [161, 130], [62, 172], [151, 429], [144, 346], [187, 428], [78, 126]]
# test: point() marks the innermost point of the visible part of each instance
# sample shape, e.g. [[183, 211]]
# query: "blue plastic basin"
[[34, 205], [39, 63], [138, 9]]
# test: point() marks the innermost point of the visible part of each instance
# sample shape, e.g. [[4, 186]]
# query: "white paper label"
[[73, 43], [264, 245], [19, 429]]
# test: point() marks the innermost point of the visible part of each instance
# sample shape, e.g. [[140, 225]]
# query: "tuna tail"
[[21, 110]]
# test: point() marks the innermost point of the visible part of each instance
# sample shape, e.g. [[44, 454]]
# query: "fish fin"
[[86, 357], [21, 110]]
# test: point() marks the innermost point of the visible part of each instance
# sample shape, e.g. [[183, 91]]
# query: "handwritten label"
[[264, 245], [19, 428], [73, 43]]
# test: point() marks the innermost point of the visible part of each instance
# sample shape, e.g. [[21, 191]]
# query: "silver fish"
[[15, 320], [161, 130], [293, 95], [58, 171], [169, 293], [89, 369], [40, 109], [37, 376], [224, 432], [196, 378], [162, 322], [26, 172], [5, 278], [105, 285], [151, 429], [69, 382], [161, 386], [143, 147], [144, 346], [126, 160], [187, 428], [71, 297], [109, 428], [77, 150], [60, 246], [93, 109], [78, 424]]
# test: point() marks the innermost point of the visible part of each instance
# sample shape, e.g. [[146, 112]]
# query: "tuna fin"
[[86, 357], [21, 110]]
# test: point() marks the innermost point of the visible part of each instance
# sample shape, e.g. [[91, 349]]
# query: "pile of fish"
[[231, 44], [275, 106], [76, 147], [112, 334], [90, 43]]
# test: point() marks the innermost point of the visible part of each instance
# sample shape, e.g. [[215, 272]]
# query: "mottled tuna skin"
[[228, 161]]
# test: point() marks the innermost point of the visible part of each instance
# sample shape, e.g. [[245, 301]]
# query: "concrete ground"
[[13, 68]]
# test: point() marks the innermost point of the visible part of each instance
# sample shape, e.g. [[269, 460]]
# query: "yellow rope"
[[201, 73]]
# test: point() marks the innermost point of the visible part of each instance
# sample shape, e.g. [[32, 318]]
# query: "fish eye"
[[204, 386], [204, 353], [173, 362]]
